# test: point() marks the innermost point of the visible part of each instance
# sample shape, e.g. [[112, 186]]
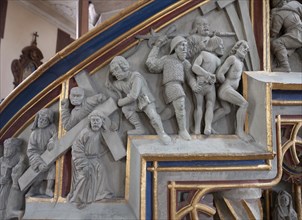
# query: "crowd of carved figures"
[[193, 59]]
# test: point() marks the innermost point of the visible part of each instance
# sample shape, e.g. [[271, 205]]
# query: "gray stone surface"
[[102, 210]]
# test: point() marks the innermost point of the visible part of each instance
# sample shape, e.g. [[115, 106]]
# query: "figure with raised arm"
[[136, 97], [205, 67], [229, 75], [175, 68]]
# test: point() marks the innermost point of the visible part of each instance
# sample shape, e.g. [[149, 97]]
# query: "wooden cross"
[[111, 138]]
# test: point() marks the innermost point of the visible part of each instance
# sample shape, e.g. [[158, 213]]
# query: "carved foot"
[[137, 131], [196, 131], [185, 135], [207, 131], [165, 138], [245, 137], [49, 192]]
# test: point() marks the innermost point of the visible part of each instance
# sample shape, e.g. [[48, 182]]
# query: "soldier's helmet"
[[175, 41]]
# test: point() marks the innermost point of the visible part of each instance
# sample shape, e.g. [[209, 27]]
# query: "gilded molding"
[[266, 34], [143, 189], [286, 103], [268, 110], [61, 132]]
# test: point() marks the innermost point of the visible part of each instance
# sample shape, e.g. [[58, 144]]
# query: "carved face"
[[96, 123], [220, 49], [8, 150], [284, 201], [43, 121], [203, 28], [117, 71], [242, 50], [76, 96], [181, 50]]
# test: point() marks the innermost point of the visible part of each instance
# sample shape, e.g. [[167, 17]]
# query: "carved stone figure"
[[175, 68], [229, 75], [43, 137], [205, 67], [81, 107], [284, 208], [9, 174], [137, 97], [286, 31], [199, 37], [89, 177]]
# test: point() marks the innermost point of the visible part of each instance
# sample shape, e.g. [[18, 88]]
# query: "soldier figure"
[[138, 98], [175, 68], [286, 31]]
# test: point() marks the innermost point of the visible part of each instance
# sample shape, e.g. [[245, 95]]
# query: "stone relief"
[[286, 33], [82, 106], [196, 59], [284, 207], [137, 97], [229, 76], [204, 67], [42, 138], [175, 68], [90, 181], [12, 165]]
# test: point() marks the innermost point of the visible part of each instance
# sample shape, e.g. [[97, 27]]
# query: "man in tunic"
[[229, 75], [81, 107], [175, 68], [43, 137], [205, 67], [89, 176], [286, 31], [137, 97], [8, 162]]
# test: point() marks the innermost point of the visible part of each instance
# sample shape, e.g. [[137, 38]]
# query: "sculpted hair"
[[77, 89], [46, 111], [214, 42], [15, 142], [237, 45], [122, 62]]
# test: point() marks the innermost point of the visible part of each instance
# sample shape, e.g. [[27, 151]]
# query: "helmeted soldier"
[[175, 68], [286, 31]]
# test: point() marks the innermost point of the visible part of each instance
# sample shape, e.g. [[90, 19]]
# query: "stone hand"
[[102, 98], [50, 146], [121, 102], [42, 167], [65, 103], [161, 41], [211, 79]]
